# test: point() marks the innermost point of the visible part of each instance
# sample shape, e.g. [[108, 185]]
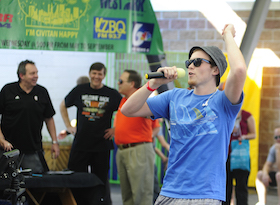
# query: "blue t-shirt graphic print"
[[192, 121]]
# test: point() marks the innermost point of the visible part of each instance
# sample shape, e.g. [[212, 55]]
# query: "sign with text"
[[122, 26]]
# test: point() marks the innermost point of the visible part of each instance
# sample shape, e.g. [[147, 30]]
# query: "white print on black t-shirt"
[[94, 106]]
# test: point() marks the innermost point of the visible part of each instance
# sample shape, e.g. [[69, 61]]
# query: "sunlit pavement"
[[272, 198]]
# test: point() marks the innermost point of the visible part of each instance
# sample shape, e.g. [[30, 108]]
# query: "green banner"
[[122, 26]]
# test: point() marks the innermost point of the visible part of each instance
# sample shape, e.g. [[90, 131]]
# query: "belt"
[[124, 146]]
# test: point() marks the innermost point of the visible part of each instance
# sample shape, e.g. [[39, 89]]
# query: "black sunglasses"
[[121, 81], [196, 62], [277, 137]]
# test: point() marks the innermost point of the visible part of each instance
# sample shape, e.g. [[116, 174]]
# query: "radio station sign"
[[124, 26]]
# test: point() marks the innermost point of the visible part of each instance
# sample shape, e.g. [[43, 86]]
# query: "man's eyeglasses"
[[196, 62], [277, 137]]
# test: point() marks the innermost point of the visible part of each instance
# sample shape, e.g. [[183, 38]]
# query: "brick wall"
[[269, 111], [182, 30]]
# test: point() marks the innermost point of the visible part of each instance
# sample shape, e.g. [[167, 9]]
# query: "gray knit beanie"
[[216, 54]]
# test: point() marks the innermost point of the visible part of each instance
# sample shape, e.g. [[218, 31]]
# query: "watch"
[[54, 142]]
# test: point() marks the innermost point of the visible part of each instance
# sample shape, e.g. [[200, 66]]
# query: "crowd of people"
[[208, 129]]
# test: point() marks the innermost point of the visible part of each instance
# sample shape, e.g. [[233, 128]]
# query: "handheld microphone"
[[180, 71]]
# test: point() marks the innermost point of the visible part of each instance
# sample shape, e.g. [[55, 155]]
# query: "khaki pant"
[[136, 171]]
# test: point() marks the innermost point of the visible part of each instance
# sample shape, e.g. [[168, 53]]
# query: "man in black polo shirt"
[[24, 106]]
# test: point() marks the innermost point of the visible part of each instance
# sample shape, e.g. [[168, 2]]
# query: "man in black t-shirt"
[[24, 106], [91, 147]]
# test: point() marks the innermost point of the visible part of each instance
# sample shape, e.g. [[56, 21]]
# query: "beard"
[[191, 83]]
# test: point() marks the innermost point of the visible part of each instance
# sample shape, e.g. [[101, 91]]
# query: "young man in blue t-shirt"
[[201, 121]]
